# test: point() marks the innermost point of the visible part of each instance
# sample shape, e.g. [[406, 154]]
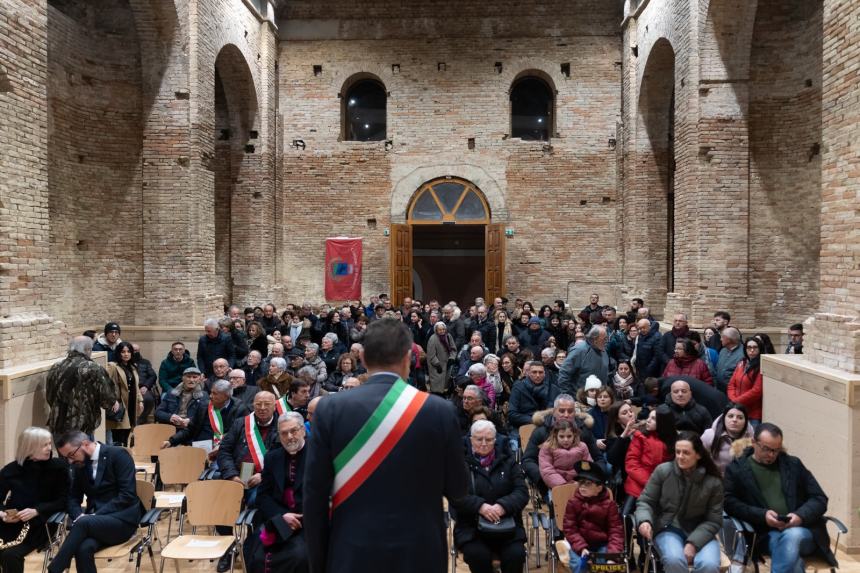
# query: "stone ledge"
[[17, 380], [831, 383]]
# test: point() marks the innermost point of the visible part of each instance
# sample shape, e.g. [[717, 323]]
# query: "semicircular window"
[[365, 111], [531, 109], [449, 201]]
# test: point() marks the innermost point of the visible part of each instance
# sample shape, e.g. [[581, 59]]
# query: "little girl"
[[586, 398], [559, 454]]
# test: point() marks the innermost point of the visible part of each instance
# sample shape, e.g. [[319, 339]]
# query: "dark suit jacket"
[[234, 447], [393, 522], [270, 496], [113, 492], [199, 429]]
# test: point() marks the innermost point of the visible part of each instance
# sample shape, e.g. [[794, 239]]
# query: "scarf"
[[680, 332], [487, 461], [444, 340], [623, 386]]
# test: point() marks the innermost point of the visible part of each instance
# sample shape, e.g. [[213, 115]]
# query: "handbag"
[[116, 416], [486, 528]]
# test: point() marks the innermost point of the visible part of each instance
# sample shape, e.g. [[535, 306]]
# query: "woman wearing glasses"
[[488, 520], [34, 486], [745, 385]]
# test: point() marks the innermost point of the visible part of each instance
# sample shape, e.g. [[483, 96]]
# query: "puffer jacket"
[[528, 398], [645, 453], [593, 521], [725, 455], [503, 483], [319, 366], [170, 371], [556, 464], [649, 359], [543, 421], [692, 416], [170, 404], [747, 390], [691, 502], [689, 366]]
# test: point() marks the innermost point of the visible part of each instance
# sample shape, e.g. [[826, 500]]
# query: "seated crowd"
[[673, 418]]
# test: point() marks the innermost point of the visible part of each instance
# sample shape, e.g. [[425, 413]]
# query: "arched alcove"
[[364, 103]]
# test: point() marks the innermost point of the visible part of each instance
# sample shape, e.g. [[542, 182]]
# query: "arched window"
[[531, 109], [448, 201], [364, 111]]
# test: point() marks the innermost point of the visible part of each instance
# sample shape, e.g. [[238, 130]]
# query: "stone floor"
[[849, 563]]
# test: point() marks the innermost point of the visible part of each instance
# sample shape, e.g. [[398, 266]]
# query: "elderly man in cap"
[[180, 404], [107, 341]]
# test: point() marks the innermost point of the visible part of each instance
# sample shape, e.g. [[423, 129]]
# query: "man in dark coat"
[[679, 331], [417, 442], [688, 414], [200, 427], [282, 543], [456, 327], [234, 450], [703, 393], [647, 359], [173, 366], [531, 394], [781, 499], [485, 325], [106, 476], [213, 345], [77, 389], [534, 337]]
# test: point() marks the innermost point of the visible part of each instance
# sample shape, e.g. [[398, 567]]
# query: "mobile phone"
[[11, 513], [783, 518]]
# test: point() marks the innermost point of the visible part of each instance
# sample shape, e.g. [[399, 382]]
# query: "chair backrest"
[[181, 465], [525, 434], [214, 502], [145, 491], [561, 494], [147, 439]]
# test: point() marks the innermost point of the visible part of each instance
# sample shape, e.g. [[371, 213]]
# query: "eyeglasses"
[[478, 440], [73, 452], [767, 449]]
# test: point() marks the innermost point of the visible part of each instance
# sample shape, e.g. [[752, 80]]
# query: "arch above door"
[[448, 201]]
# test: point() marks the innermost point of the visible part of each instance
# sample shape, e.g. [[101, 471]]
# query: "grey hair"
[[287, 416], [481, 425], [563, 398], [508, 337], [210, 322], [279, 362], [491, 357], [356, 345], [331, 336], [309, 371], [594, 333], [477, 390], [313, 346], [478, 334], [732, 333], [30, 442], [477, 369], [222, 387], [439, 325], [82, 344], [548, 352], [257, 352]]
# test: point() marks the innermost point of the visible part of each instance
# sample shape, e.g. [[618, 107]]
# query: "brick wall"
[[556, 199]]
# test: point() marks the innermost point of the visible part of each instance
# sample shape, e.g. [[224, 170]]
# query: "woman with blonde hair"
[[32, 487]]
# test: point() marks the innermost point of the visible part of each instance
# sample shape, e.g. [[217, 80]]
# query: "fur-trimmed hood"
[[583, 417]]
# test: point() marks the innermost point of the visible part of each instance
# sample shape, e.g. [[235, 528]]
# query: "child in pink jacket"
[[560, 452]]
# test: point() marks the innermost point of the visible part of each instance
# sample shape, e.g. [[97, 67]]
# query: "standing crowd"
[[666, 427]]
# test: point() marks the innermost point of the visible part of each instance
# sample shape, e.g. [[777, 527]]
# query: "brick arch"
[[239, 89], [726, 39], [405, 188]]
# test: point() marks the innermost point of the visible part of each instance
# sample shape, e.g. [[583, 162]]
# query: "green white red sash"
[[375, 440], [217, 424], [282, 406], [255, 442]]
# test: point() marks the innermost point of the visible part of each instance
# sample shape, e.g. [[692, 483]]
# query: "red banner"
[[342, 269]]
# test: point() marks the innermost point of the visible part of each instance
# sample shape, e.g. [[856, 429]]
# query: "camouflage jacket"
[[77, 389]]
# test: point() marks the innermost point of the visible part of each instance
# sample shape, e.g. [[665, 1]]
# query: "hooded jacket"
[[592, 522], [556, 464], [725, 455], [102, 345], [646, 452]]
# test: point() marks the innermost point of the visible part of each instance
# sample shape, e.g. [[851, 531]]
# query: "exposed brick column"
[[834, 339], [27, 332]]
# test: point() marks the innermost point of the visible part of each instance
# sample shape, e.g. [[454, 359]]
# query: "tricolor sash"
[[375, 440], [217, 424], [255, 442], [282, 406]]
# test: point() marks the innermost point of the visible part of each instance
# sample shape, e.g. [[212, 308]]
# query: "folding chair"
[[652, 555], [448, 518], [146, 441], [537, 518], [56, 525], [177, 466], [812, 562], [142, 540], [207, 504], [558, 498]]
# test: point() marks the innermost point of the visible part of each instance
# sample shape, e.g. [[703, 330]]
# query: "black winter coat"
[[692, 417], [803, 496], [199, 427], [648, 356], [527, 398], [211, 349], [234, 447], [42, 485], [503, 483], [270, 497], [531, 464]]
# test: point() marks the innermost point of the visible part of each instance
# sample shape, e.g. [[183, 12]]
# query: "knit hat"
[[534, 320], [592, 383], [111, 327]]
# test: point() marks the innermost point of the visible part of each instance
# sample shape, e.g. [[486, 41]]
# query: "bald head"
[[644, 325]]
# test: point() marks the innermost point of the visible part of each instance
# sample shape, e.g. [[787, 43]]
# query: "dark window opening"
[[531, 109], [365, 109]]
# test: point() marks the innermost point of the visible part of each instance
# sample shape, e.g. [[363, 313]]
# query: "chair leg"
[[161, 568], [152, 558]]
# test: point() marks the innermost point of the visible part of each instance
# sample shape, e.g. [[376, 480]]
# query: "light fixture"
[[352, 101]]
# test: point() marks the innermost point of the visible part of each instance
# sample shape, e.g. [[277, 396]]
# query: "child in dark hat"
[[592, 523]]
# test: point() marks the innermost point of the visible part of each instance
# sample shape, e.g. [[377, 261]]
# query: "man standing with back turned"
[[385, 453]]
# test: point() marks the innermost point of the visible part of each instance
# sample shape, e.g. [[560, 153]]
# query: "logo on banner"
[[340, 269]]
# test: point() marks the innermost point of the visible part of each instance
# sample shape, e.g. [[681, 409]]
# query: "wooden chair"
[[177, 466], [537, 518], [559, 496], [209, 503], [146, 441], [142, 540]]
